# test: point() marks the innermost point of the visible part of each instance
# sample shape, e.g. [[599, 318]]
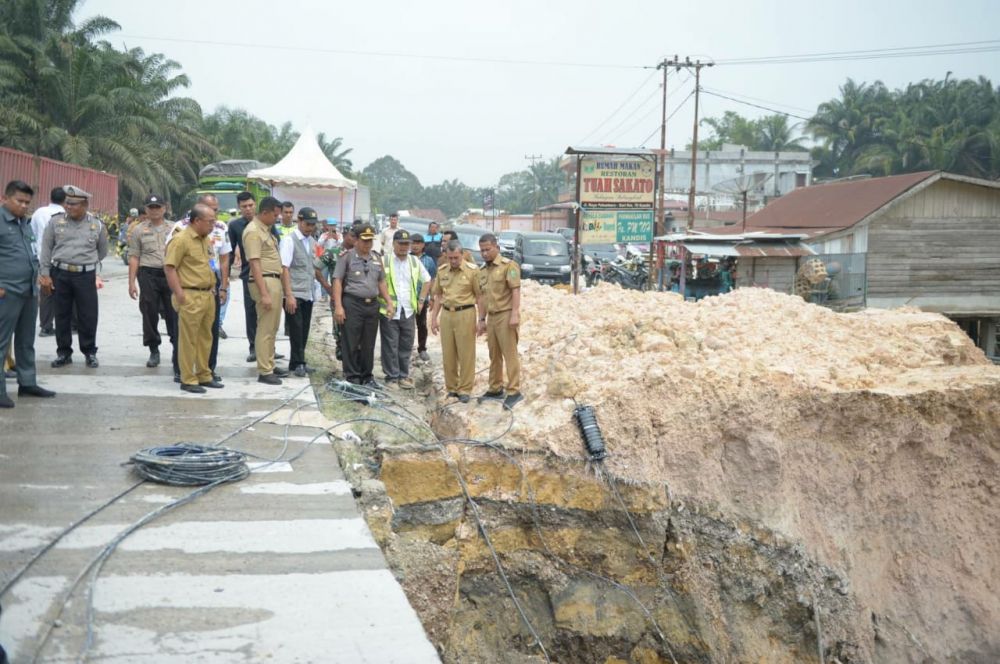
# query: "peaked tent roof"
[[825, 208], [305, 165]]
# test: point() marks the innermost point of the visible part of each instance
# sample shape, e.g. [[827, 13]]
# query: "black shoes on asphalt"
[[154, 358], [26, 391], [269, 379], [63, 360]]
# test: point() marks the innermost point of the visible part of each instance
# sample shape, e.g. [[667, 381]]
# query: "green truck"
[[225, 179]]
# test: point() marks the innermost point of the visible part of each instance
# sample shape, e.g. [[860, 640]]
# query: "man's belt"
[[149, 267], [67, 267], [366, 300], [266, 275], [197, 289], [462, 307]]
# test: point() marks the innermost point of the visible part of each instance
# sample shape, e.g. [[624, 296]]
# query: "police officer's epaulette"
[[57, 216]]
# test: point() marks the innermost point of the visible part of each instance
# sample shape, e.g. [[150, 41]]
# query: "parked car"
[[415, 224], [603, 252], [544, 257], [569, 234], [506, 241]]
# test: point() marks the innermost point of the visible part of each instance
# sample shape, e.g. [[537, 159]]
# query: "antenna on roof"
[[740, 186]]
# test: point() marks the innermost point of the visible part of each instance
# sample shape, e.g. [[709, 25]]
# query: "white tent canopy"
[[307, 178]]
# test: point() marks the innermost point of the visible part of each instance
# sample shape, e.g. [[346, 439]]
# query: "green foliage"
[[771, 133], [392, 186], [951, 125]]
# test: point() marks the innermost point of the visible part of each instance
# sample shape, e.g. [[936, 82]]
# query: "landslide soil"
[[871, 440]]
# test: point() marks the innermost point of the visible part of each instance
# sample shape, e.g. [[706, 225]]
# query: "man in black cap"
[[73, 246], [358, 281], [404, 275], [299, 268], [147, 248], [18, 291]]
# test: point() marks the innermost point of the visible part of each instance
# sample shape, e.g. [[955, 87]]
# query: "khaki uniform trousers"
[[267, 324], [458, 346], [194, 325], [501, 339]]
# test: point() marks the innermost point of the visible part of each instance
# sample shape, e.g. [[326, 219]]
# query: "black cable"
[[747, 103], [187, 464]]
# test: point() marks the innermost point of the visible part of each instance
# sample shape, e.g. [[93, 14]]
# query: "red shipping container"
[[46, 174]]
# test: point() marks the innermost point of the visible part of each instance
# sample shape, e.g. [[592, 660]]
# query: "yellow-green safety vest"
[[391, 283]]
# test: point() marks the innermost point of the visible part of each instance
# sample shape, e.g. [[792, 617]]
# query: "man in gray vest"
[[72, 247], [18, 291], [299, 268]]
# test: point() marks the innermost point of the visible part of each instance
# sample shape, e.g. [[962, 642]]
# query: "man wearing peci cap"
[[404, 275], [18, 291], [457, 292], [147, 248], [73, 246], [260, 246], [299, 268], [358, 281]]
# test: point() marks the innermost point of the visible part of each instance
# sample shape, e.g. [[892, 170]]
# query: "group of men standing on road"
[[180, 272]]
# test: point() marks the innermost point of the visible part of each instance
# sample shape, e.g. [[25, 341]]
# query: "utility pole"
[[697, 65], [533, 158], [661, 161]]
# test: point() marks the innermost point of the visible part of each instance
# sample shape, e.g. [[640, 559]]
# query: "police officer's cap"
[[417, 238], [72, 191], [365, 232], [401, 236], [308, 214], [154, 200]]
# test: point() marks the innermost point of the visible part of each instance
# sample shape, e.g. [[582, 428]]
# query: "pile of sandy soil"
[[871, 438]]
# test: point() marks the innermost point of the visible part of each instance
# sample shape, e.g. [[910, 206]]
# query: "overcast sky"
[[463, 117]]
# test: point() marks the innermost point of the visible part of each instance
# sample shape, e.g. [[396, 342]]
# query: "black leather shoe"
[[34, 391], [269, 379], [452, 395], [279, 356], [300, 371], [464, 398], [6, 401], [495, 395], [196, 389], [280, 373], [46, 332], [222, 334], [61, 361], [214, 384], [92, 362], [216, 377], [252, 357], [512, 400], [154, 359]]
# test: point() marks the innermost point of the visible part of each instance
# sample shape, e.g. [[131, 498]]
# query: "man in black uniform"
[[358, 281], [248, 208], [73, 246]]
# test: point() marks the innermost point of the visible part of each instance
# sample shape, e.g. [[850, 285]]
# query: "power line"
[[870, 54], [746, 103], [388, 54], [615, 112], [671, 115], [757, 99], [612, 133]]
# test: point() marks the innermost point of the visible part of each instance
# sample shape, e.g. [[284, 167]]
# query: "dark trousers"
[[213, 355], [298, 331], [397, 344], [154, 301], [422, 329], [360, 330], [79, 288], [250, 309], [17, 320], [46, 311]]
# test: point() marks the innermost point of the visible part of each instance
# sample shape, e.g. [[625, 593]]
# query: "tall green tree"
[[392, 186], [771, 133]]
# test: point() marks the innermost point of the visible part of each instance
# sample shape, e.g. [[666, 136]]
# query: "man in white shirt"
[[299, 268], [39, 220], [385, 237], [403, 273]]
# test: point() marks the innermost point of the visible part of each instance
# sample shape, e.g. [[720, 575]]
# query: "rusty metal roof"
[[825, 208]]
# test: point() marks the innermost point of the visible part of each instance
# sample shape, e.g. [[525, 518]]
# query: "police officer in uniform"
[[457, 292], [192, 281], [358, 282], [18, 291], [500, 281], [73, 246], [146, 250]]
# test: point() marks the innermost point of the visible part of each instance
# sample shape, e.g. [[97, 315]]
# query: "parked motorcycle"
[[593, 270], [631, 273]]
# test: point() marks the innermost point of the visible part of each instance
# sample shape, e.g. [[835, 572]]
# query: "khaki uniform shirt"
[[149, 243], [83, 242], [259, 242], [498, 279], [190, 254], [458, 287]]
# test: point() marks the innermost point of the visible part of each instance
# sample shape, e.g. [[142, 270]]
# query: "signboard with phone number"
[[615, 226]]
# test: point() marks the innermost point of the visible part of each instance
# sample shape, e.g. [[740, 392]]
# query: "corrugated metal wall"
[[46, 174]]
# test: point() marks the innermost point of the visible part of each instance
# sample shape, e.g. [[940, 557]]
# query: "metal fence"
[[846, 285], [45, 174]]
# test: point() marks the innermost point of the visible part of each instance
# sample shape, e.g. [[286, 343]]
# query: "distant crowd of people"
[[377, 284]]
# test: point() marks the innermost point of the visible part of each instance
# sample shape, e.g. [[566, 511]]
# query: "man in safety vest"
[[403, 273]]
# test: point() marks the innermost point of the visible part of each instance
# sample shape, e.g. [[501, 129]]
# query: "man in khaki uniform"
[[261, 249], [499, 317], [192, 282], [457, 291]]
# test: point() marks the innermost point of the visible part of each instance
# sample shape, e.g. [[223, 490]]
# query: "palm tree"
[[332, 148], [775, 134]]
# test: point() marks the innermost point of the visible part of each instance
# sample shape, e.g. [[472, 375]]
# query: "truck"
[[225, 179]]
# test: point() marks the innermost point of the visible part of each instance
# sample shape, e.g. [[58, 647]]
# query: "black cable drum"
[[186, 464], [593, 439]]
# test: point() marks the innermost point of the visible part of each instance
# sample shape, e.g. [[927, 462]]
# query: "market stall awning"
[[747, 246]]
